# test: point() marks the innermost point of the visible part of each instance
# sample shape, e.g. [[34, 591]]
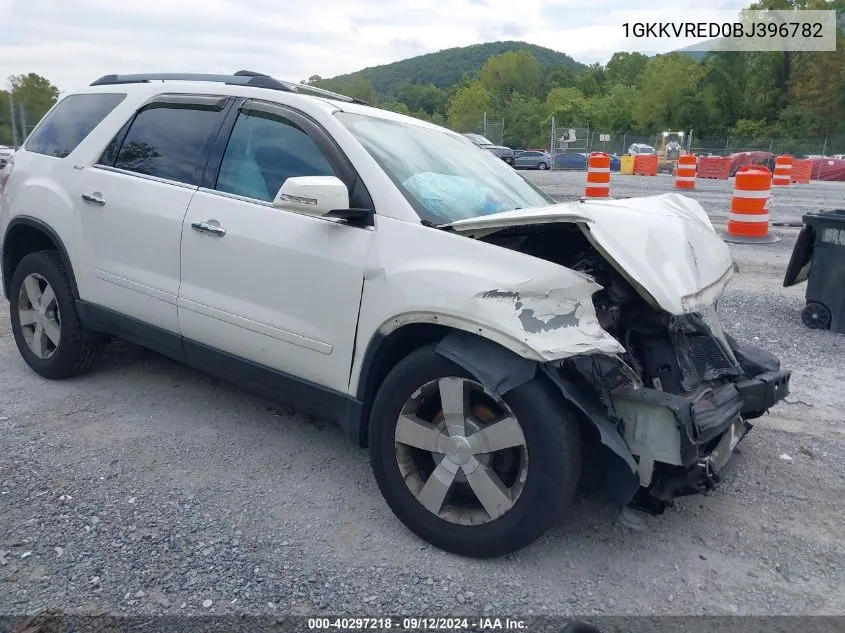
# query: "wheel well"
[[21, 240], [382, 356]]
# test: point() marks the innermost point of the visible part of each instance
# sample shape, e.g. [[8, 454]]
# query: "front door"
[[270, 286]]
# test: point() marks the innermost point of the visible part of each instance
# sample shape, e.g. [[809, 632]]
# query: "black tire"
[[78, 347], [816, 316], [554, 455], [542, 166]]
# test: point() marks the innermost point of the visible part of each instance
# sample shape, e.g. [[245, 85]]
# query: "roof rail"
[[328, 93], [240, 78], [254, 80]]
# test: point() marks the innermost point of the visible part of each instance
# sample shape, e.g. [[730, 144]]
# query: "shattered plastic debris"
[[632, 519], [786, 457]]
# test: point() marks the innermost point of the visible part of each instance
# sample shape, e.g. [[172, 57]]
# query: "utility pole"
[[14, 121], [23, 122]]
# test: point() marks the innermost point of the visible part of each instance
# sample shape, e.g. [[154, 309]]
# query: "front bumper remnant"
[[683, 444], [763, 391], [671, 483]]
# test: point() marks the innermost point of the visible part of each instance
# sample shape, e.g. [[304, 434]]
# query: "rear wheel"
[[466, 469], [46, 327]]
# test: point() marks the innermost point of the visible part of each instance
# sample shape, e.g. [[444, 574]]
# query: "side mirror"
[[312, 195]]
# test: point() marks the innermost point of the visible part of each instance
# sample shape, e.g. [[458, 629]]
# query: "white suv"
[[487, 344]]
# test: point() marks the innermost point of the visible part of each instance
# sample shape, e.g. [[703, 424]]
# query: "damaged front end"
[[690, 406], [670, 407]]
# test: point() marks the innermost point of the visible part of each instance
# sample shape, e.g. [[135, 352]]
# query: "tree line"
[[31, 96], [752, 95], [739, 94]]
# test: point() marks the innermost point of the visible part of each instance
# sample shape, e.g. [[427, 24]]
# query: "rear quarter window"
[[67, 125]]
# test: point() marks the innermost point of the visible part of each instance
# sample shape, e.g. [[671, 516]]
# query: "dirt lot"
[[146, 487]]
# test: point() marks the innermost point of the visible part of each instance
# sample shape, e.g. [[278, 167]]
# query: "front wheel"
[[542, 166], [468, 470]]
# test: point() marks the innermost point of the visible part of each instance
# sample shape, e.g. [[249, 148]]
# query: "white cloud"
[[73, 43]]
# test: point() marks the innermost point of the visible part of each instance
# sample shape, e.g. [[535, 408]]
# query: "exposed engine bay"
[[669, 353], [693, 387]]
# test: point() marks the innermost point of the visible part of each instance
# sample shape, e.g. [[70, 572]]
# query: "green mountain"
[[448, 67]]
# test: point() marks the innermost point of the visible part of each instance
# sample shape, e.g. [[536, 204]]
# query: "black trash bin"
[[819, 259]]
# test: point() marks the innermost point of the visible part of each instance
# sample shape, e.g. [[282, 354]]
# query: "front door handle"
[[94, 198], [209, 227]]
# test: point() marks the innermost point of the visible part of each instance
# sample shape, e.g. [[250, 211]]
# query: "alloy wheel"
[[39, 316], [461, 451]]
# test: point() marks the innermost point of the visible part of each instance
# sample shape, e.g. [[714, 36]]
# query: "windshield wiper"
[[432, 225]]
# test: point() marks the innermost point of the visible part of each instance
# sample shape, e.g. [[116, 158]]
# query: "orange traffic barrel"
[[685, 172], [748, 221], [598, 176], [783, 171]]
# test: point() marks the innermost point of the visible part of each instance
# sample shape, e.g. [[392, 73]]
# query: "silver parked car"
[[533, 160], [505, 153], [5, 153]]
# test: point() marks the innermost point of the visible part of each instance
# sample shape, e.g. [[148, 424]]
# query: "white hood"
[[665, 245]]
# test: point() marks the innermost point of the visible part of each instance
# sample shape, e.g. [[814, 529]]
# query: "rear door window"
[[73, 119], [169, 141]]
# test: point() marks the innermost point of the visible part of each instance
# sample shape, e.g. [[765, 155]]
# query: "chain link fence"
[[492, 130], [568, 139], [724, 146], [14, 127]]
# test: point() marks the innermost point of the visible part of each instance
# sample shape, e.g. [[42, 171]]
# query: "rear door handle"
[[94, 198], [209, 227]]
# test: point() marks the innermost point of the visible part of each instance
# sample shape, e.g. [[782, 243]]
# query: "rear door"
[[131, 204]]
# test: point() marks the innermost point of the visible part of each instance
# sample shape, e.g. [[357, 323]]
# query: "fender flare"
[[35, 223], [501, 370]]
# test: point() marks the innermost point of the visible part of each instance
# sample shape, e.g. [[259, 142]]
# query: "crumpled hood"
[[665, 245]]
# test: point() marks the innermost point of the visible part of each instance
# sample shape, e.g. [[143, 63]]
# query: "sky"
[[73, 42]]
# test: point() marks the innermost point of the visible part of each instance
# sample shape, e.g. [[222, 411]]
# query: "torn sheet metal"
[[556, 322], [501, 370], [665, 245]]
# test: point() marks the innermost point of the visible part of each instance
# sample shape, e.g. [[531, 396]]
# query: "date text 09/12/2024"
[[418, 624]]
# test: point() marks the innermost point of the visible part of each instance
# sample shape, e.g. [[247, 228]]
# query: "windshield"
[[443, 176]]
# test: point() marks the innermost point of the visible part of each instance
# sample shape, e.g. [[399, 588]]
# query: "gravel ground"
[[148, 488]]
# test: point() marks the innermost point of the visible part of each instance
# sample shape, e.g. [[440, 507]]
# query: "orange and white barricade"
[[685, 172], [598, 176], [783, 171], [748, 221]]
